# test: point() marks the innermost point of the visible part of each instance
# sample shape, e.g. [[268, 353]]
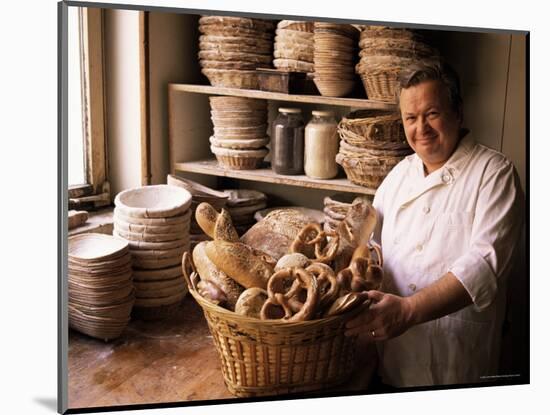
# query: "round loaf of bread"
[[251, 301], [249, 267], [276, 232], [211, 273]]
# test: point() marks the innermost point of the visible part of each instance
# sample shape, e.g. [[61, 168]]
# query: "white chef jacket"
[[464, 218]]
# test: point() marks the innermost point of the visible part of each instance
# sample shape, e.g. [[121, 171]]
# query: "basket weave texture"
[[263, 357], [364, 127], [381, 85]]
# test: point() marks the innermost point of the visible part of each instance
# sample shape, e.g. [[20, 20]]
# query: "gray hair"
[[432, 70]]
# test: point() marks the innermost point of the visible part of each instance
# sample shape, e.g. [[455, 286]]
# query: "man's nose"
[[423, 125]]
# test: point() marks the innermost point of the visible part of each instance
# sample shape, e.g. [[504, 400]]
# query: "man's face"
[[431, 126]]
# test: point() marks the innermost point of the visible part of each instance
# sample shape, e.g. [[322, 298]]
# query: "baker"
[[449, 217]]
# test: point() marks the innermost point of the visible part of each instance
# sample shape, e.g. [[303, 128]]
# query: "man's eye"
[[433, 114]]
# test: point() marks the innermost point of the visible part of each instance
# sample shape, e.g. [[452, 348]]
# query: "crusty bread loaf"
[[275, 233], [349, 231], [209, 272], [247, 266], [214, 224]]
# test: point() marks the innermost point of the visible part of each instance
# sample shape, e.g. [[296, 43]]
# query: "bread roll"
[[210, 273], [275, 233], [247, 266], [251, 301]]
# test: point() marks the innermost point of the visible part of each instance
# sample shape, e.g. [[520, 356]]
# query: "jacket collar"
[[444, 176]]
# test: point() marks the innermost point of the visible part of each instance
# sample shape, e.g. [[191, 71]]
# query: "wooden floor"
[[160, 362]]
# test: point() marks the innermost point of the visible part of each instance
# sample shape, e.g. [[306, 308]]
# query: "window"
[[87, 164]]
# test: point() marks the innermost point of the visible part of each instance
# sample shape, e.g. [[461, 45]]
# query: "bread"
[[275, 233], [212, 274], [349, 231], [292, 260], [251, 301], [247, 266], [214, 224]]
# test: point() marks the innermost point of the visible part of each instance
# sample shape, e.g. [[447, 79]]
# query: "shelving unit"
[[266, 175], [276, 96]]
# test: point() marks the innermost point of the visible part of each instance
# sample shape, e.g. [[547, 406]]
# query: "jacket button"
[[419, 247], [426, 209], [412, 287]]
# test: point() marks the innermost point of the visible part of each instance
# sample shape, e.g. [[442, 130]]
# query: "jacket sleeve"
[[496, 228]]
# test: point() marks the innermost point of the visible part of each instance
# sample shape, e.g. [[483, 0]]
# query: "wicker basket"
[[364, 126], [363, 172], [260, 357], [232, 78], [381, 85]]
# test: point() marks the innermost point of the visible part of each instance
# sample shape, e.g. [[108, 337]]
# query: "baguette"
[[214, 224], [247, 266], [212, 274]]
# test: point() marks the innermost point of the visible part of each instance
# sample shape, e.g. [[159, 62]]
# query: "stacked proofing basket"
[[293, 48], [372, 143], [334, 57], [384, 53], [101, 293], [240, 132], [231, 48], [154, 220]]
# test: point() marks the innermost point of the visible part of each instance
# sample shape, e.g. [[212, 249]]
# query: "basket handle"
[[189, 272]]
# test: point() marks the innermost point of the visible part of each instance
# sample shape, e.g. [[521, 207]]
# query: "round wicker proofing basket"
[[271, 357]]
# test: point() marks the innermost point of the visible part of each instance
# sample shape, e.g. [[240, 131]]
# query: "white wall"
[[123, 99]]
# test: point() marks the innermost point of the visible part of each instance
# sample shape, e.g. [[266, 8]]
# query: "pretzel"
[[363, 273], [326, 280], [313, 235], [285, 289], [310, 235]]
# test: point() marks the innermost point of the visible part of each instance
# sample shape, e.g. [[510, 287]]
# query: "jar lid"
[[322, 113], [290, 110]]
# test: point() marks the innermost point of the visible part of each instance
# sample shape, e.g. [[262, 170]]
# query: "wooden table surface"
[[161, 362]]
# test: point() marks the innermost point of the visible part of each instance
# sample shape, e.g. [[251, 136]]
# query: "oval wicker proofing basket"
[[260, 357]]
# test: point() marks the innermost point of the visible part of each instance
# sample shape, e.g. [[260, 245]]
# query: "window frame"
[[95, 191]]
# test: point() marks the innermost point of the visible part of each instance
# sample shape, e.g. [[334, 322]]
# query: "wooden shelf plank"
[[267, 175], [277, 96]]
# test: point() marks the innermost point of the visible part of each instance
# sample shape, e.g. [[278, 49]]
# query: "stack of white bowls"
[[154, 220], [101, 293]]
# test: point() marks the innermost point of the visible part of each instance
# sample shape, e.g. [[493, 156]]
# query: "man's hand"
[[388, 317], [391, 315]]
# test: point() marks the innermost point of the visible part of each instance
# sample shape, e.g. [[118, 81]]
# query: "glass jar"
[[321, 146], [287, 142]]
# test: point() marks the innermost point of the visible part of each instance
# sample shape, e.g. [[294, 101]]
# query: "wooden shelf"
[[310, 99], [267, 175]]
